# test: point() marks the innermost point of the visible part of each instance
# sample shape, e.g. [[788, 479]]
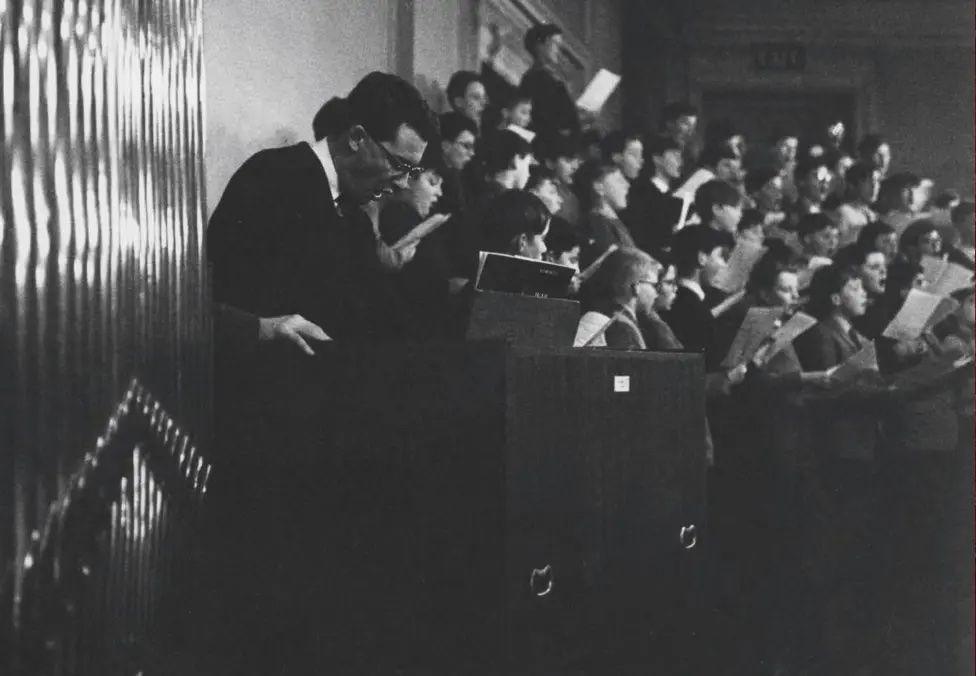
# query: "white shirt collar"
[[693, 286], [325, 157], [661, 184]]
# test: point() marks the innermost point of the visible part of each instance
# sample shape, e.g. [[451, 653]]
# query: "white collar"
[[693, 286], [661, 184], [322, 152]]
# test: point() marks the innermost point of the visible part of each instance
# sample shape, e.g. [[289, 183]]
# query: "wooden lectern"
[[496, 509]]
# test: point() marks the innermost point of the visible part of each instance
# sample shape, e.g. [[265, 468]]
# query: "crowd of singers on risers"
[[839, 508]]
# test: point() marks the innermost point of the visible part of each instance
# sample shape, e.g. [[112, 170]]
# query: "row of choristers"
[[832, 300]]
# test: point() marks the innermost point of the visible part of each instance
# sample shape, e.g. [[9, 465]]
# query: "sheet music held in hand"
[[421, 230], [595, 265], [759, 324], [743, 259], [521, 131], [921, 311], [798, 324], [865, 359], [595, 96], [944, 277]]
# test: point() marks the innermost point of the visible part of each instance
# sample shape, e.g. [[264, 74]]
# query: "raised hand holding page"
[[598, 91], [421, 230], [743, 258], [799, 323], [921, 311], [759, 324], [865, 359]]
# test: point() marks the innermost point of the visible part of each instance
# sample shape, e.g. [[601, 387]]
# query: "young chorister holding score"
[[603, 192]]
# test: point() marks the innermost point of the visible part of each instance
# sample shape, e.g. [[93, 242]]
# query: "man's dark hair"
[[457, 86], [717, 152], [516, 96], [689, 242], [658, 144], [381, 102], [827, 281], [615, 142], [453, 123], [757, 178], [500, 154], [714, 193], [332, 118], [813, 223], [946, 199], [720, 131], [562, 237], [538, 34], [590, 173], [855, 254], [513, 213], [672, 111]]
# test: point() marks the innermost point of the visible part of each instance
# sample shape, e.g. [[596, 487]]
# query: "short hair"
[[538, 34], [767, 269], [869, 234], [827, 281], [672, 111], [658, 144], [453, 123], [806, 165], [381, 102], [689, 242], [714, 193], [553, 146], [459, 83], [620, 270], [855, 255], [616, 142], [538, 175], [757, 178], [587, 176], [501, 151], [717, 152], [720, 131], [869, 144], [750, 219], [901, 274], [332, 118], [813, 223], [892, 188], [562, 237], [858, 172], [511, 214], [911, 236], [515, 96]]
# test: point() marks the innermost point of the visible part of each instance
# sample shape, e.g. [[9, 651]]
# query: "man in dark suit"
[[554, 112], [296, 259]]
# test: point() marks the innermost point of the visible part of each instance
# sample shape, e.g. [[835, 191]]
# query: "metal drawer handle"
[[688, 536], [540, 581]]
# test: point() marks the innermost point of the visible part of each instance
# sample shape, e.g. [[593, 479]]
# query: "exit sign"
[[779, 56]]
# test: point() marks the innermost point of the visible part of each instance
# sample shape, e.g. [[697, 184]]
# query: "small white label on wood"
[[621, 383]]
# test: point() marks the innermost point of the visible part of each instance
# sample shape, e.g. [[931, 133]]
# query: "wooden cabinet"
[[510, 510]]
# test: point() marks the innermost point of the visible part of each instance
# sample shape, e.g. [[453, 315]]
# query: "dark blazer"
[[278, 246], [553, 109], [841, 429], [693, 325], [651, 215]]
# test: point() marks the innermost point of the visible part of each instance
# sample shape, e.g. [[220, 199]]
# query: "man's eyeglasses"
[[400, 165], [666, 283]]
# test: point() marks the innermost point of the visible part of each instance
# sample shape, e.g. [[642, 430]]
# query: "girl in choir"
[[920, 239], [517, 223]]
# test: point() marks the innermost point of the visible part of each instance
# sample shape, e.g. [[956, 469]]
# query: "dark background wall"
[[907, 64]]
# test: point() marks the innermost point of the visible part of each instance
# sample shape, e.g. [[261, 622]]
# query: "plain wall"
[[270, 65]]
